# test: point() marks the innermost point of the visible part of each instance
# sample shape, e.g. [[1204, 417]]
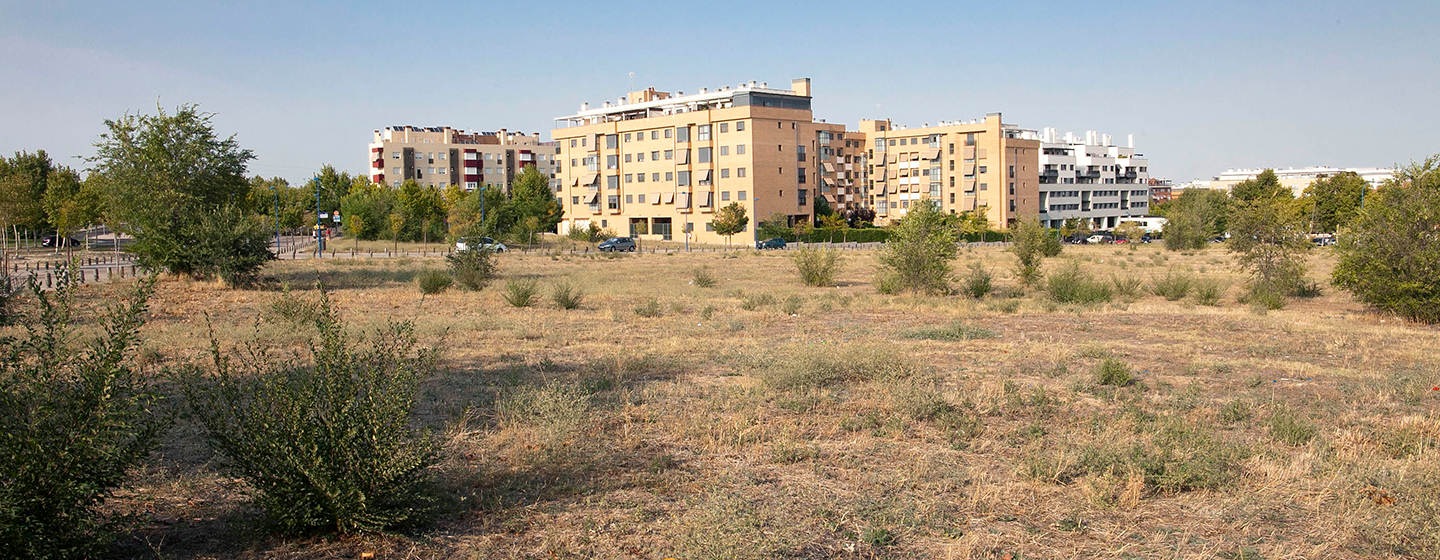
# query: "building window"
[[970, 139], [612, 202], [1012, 188], [572, 145], [612, 141], [669, 176], [703, 155], [952, 148], [683, 179], [724, 150], [724, 195], [655, 177], [640, 156], [575, 200], [724, 127], [740, 150], [629, 198], [983, 168], [952, 198], [703, 132], [984, 186], [800, 154], [629, 177], [740, 126], [627, 139], [682, 134], [802, 197], [612, 162], [639, 177], [640, 197], [627, 158], [725, 173], [740, 195], [740, 172], [394, 155], [892, 141], [669, 154], [801, 175], [612, 181]]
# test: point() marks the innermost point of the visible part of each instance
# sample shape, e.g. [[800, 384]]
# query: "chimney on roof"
[[585, 106], [1130, 141], [801, 86]]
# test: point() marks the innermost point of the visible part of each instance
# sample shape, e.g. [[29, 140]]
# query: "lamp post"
[[319, 237], [277, 218]]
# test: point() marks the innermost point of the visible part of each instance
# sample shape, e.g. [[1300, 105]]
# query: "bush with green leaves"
[[1172, 286], [473, 268], [1125, 286], [9, 293], [650, 308], [432, 281], [1114, 372], [917, 257], [1389, 253], [520, 292], [325, 446], [1209, 291], [1070, 284], [703, 278], [1028, 241], [817, 267], [74, 420], [566, 296], [978, 282], [1268, 231]]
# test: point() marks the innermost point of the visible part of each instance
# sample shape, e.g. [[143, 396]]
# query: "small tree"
[[1269, 235], [1129, 230], [1388, 255], [1334, 201], [354, 225], [917, 256], [777, 225], [1183, 231], [817, 267], [730, 220], [397, 225], [1027, 241]]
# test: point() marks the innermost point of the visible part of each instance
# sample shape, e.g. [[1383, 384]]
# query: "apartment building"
[[442, 156], [1297, 179], [962, 165], [1091, 179], [657, 165]]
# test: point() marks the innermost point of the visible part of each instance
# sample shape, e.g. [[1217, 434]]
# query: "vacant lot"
[[760, 418]]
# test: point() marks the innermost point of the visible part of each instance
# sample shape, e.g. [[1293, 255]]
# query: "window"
[[640, 156], [1012, 172], [582, 142], [740, 150], [984, 186], [740, 172], [703, 132], [612, 202], [394, 155], [572, 145], [725, 173], [669, 132], [801, 197], [627, 158], [669, 176], [983, 168], [572, 161], [740, 195], [702, 155], [627, 139], [629, 177], [669, 154], [655, 155], [800, 154], [892, 141], [575, 200], [724, 127], [612, 141], [432, 170], [683, 179], [952, 198], [1012, 188], [801, 175], [682, 134], [640, 197], [397, 171], [904, 204], [442, 156], [724, 195], [612, 162], [1012, 205], [740, 126], [612, 181], [952, 148], [655, 177], [640, 178], [629, 198], [724, 150], [970, 139]]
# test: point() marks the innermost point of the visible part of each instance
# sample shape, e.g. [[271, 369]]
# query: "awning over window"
[[669, 198], [684, 157], [891, 158], [594, 198], [827, 181], [933, 154], [828, 198], [884, 174], [684, 200], [655, 198], [590, 179], [575, 182], [827, 167], [705, 174], [707, 199], [884, 190]]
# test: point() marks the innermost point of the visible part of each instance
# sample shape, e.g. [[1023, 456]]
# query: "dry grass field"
[[760, 418]]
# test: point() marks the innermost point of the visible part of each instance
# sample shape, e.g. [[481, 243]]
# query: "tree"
[[777, 225], [68, 204], [1027, 242], [531, 195], [397, 225], [1334, 201], [1196, 216], [1074, 226], [23, 180], [353, 225], [1129, 230], [730, 220], [1269, 234], [822, 208], [1390, 254], [166, 174], [975, 222], [917, 256]]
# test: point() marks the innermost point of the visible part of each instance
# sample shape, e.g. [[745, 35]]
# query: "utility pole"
[[319, 236], [277, 218]]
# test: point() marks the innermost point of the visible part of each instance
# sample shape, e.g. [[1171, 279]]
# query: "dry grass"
[[728, 427]]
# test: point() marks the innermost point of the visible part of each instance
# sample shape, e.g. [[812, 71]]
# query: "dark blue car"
[[772, 243]]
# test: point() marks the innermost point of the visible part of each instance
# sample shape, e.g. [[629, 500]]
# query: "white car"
[[467, 243]]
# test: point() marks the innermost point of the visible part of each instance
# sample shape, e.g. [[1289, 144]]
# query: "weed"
[[1237, 411], [707, 312], [822, 367], [702, 278], [432, 282], [649, 308], [1126, 287], [294, 309], [1113, 372], [1209, 291], [1290, 428], [955, 331], [520, 292], [566, 296], [1173, 286], [978, 282], [1072, 285], [792, 305], [753, 302], [817, 267], [473, 268], [877, 536]]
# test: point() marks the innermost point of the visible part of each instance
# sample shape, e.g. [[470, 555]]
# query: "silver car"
[[467, 243]]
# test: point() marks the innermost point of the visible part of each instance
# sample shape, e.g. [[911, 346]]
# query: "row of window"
[[441, 156], [703, 155], [680, 134], [933, 141], [613, 201]]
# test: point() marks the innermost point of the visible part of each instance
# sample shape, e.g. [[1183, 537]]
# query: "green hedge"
[[872, 235]]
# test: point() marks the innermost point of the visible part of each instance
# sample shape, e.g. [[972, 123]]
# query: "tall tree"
[[730, 220], [1264, 186], [69, 205], [1334, 201], [1269, 234], [1390, 255]]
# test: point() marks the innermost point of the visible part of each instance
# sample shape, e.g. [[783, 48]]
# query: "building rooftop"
[[652, 103]]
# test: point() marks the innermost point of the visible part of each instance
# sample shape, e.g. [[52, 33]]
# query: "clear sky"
[[1203, 85]]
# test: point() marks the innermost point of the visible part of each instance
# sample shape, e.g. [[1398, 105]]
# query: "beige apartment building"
[[962, 165], [442, 156], [657, 165]]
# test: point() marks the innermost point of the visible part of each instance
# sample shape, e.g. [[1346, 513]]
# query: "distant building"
[[441, 156], [1299, 178], [1160, 190], [1091, 179]]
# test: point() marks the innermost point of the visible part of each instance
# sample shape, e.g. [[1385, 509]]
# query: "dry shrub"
[[828, 366]]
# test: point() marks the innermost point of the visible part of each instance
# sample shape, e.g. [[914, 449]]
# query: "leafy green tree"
[[23, 181], [1334, 201], [477, 214], [1390, 254], [165, 174], [777, 225], [69, 205], [822, 208], [1073, 226], [531, 196], [917, 256], [1269, 234], [1028, 241], [334, 185], [975, 222], [1196, 216], [397, 225], [730, 220]]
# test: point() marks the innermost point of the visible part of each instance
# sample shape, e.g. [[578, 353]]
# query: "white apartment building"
[[1091, 179], [1299, 178], [441, 156]]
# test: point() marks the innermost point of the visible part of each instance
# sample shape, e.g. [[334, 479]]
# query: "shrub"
[[473, 268], [648, 308], [9, 292], [1113, 372], [433, 281], [1388, 256], [1235, 412], [1172, 286], [887, 282], [822, 367], [1028, 242], [955, 331], [72, 424], [1126, 287], [325, 446], [1209, 291], [294, 309], [753, 302], [792, 305], [1290, 428], [520, 292], [1072, 285], [702, 277], [978, 282], [1261, 298], [1269, 235], [566, 295], [817, 267], [917, 256]]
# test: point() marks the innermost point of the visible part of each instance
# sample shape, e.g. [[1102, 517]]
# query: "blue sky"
[[1203, 85]]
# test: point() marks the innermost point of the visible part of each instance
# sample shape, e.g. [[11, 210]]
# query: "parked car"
[[484, 243], [614, 244], [1076, 239], [772, 243], [1323, 241], [1146, 239], [1217, 239], [50, 241], [1101, 238]]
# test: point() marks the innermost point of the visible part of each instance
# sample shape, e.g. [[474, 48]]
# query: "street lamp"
[[319, 236], [277, 217]]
